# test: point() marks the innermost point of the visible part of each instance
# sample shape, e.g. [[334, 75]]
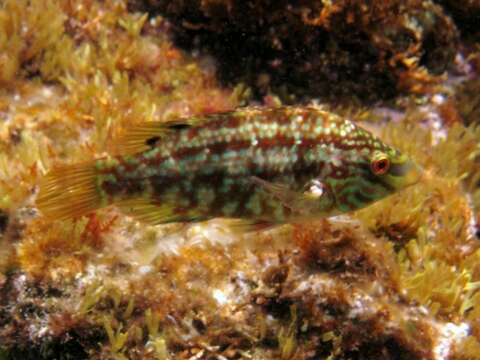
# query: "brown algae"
[[399, 277]]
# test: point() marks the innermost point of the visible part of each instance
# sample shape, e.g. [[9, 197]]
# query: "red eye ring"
[[380, 166]]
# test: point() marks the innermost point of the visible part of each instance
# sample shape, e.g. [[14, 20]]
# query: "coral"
[[338, 50]]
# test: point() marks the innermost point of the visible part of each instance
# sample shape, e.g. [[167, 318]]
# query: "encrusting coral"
[[399, 279]]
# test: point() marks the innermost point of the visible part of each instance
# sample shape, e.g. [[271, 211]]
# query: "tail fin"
[[69, 191]]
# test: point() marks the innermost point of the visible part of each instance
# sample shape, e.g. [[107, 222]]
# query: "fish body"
[[262, 165]]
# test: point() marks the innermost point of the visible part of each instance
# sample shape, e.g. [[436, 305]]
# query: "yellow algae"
[[387, 279], [31, 36]]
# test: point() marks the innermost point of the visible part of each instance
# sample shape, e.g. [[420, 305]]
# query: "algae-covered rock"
[[399, 279], [467, 101], [345, 48], [466, 13]]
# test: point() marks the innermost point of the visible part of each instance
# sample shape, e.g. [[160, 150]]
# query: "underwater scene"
[[240, 179]]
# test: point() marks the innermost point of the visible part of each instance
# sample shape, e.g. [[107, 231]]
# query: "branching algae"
[[396, 279]]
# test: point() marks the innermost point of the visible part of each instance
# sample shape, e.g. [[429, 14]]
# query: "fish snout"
[[404, 174], [412, 173]]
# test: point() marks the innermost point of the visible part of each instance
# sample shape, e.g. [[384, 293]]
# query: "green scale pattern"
[[206, 170]]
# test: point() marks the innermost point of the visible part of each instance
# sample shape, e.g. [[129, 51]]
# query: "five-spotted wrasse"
[[259, 165]]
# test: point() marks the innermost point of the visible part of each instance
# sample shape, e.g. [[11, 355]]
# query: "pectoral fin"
[[316, 198], [279, 191]]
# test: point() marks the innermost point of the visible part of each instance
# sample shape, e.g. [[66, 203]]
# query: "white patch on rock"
[[449, 334]]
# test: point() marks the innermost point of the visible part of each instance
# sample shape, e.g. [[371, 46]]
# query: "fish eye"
[[380, 164]]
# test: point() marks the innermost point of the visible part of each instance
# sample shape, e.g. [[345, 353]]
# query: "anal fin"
[[154, 212], [245, 226], [144, 210]]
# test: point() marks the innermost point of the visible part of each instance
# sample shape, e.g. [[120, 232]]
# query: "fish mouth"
[[406, 174], [414, 174]]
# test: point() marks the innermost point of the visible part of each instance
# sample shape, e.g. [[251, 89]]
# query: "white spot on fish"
[[317, 188]]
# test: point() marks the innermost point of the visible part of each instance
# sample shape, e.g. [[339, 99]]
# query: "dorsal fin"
[[143, 136]]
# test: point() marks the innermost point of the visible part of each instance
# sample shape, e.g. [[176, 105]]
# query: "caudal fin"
[[69, 191]]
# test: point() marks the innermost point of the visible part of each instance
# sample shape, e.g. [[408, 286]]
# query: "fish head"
[[395, 170], [369, 175]]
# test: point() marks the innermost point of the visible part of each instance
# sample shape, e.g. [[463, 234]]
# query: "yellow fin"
[[144, 210], [69, 191], [143, 136], [246, 226]]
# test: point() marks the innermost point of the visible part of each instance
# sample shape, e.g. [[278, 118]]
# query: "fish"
[[257, 166]]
